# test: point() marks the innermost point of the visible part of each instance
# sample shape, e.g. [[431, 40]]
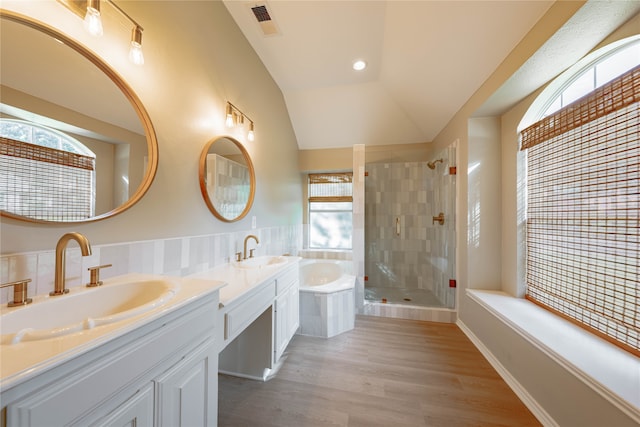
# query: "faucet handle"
[[19, 292], [238, 256], [251, 252], [94, 279]]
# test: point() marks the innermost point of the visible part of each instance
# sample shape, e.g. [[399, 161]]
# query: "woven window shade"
[[331, 187], [583, 211], [44, 183]]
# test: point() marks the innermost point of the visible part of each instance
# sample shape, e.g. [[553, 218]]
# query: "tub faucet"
[[61, 248], [250, 236]]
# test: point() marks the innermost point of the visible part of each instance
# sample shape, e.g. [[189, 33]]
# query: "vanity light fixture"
[[90, 11], [235, 117]]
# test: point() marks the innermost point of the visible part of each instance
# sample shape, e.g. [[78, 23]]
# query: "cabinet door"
[[135, 412], [294, 311], [282, 325], [187, 393]]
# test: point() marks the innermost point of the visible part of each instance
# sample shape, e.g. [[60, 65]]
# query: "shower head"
[[432, 165]]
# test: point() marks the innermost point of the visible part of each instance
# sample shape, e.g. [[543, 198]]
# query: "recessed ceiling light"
[[359, 65]]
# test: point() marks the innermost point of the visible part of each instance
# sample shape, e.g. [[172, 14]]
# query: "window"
[[45, 174], [330, 210], [583, 203], [604, 70]]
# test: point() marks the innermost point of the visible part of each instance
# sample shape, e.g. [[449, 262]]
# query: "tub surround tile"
[[326, 314]]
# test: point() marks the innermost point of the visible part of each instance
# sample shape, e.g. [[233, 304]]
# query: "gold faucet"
[[85, 248], [250, 236]]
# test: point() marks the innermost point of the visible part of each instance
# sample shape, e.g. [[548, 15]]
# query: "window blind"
[[331, 187], [45, 183], [583, 211]]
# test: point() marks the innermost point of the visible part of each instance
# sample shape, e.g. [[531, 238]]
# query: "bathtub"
[[327, 304]]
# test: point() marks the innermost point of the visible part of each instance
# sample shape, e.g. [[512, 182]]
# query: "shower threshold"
[[413, 297]]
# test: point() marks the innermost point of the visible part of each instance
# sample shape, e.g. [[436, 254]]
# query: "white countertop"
[[240, 281], [25, 360]]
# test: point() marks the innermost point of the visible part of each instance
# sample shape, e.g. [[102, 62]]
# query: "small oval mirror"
[[227, 179]]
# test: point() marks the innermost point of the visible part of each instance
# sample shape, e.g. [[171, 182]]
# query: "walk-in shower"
[[410, 233]]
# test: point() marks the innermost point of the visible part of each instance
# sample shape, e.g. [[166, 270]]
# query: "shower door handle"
[[397, 226]]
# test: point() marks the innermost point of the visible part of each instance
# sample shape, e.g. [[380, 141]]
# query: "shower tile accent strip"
[[172, 257]]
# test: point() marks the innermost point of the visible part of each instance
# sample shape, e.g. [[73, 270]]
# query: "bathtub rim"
[[342, 283]]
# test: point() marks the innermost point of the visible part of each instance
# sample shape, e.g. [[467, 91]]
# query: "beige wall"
[[327, 160], [195, 60], [341, 159]]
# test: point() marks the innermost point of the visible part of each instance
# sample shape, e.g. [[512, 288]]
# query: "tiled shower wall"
[[171, 257], [404, 248]]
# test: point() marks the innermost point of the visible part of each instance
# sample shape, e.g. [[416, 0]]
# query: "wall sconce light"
[[89, 10], [235, 117]]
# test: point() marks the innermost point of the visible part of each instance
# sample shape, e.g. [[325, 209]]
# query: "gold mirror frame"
[[143, 116], [202, 175]]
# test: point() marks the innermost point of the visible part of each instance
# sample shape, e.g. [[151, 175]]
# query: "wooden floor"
[[386, 372]]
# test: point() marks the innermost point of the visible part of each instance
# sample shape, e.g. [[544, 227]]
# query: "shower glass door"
[[409, 252]]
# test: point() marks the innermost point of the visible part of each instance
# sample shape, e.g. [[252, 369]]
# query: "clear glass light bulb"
[[135, 53], [93, 22]]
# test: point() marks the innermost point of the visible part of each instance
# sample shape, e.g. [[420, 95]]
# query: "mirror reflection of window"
[[228, 184], [45, 174]]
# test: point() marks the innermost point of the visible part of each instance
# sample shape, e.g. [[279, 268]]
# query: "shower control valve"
[[439, 218]]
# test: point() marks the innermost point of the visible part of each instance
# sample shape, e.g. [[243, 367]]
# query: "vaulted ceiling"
[[424, 61]]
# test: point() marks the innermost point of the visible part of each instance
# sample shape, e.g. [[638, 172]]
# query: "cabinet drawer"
[[285, 280], [241, 316]]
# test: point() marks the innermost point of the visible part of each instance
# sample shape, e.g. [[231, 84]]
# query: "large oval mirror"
[[227, 179], [76, 143]]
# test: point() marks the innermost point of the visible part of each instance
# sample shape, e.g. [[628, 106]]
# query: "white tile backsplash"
[[172, 257]]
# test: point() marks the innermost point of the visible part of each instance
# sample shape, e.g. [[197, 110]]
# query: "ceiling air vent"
[[261, 13], [267, 24]]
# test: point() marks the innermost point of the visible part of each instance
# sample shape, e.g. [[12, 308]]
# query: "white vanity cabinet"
[[163, 373], [259, 324]]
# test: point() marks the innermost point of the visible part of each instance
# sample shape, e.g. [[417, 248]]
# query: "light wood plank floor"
[[386, 372]]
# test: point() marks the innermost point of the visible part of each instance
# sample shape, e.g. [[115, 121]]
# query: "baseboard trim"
[[537, 410]]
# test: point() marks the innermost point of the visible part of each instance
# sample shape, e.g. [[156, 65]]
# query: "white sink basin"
[[261, 262], [84, 308]]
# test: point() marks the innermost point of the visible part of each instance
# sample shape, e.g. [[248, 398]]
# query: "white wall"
[[195, 60]]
